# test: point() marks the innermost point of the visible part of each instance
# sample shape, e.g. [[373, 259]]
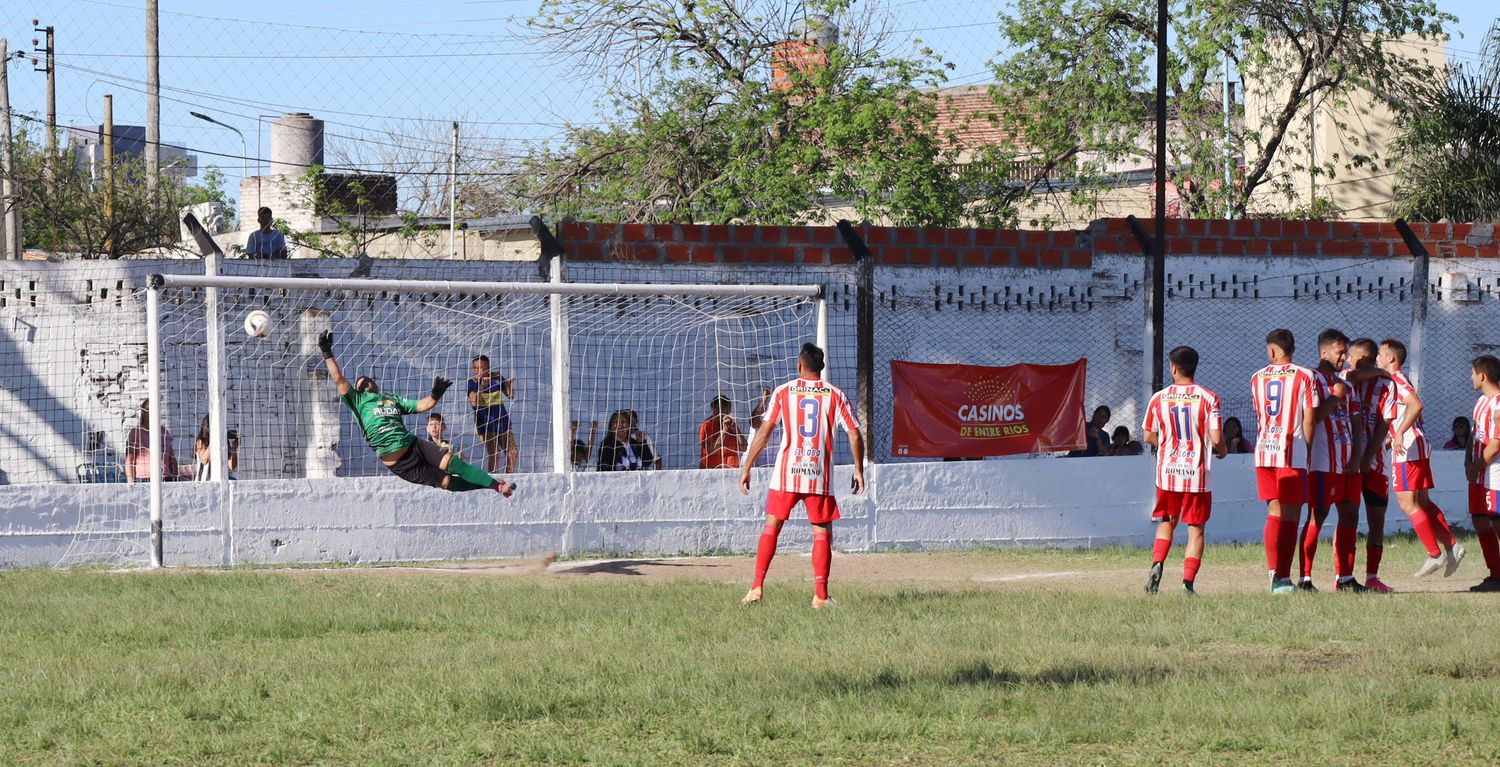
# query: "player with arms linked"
[[1370, 386], [1286, 404], [1483, 469], [1333, 476], [1182, 422], [808, 410], [1412, 473]]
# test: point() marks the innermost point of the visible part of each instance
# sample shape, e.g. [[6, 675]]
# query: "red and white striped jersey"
[[1371, 394], [1486, 428], [1184, 417], [808, 410], [1281, 393], [1333, 437], [1393, 409]]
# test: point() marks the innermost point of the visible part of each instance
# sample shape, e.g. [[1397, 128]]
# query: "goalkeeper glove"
[[439, 385], [325, 342]]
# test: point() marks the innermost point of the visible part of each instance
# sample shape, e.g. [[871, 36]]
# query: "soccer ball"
[[257, 324]]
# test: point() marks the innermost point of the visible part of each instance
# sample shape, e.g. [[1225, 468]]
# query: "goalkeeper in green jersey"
[[417, 461]]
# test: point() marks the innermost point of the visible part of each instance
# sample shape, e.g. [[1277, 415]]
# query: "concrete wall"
[[1041, 502]]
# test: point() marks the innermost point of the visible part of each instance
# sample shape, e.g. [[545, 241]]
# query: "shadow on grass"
[[982, 674], [617, 567]]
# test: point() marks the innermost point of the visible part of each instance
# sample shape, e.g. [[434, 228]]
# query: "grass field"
[[952, 659]]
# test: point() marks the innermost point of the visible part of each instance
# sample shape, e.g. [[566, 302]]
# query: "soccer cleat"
[[1451, 559], [1374, 585], [1153, 579], [752, 597], [1307, 586], [819, 604], [1283, 586], [1351, 586], [1188, 591], [1489, 584], [1432, 565]]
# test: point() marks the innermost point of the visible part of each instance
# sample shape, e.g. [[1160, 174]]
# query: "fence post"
[[153, 380], [1420, 262], [864, 325], [1155, 275]]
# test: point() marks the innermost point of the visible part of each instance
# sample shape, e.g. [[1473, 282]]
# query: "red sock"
[[1272, 537], [1489, 543], [1159, 550], [1287, 540], [1310, 531], [1344, 539], [1372, 559], [1440, 526], [822, 561], [1422, 526], [1190, 568], [764, 552]]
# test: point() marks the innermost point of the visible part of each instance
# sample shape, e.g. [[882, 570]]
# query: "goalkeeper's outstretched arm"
[[325, 343], [439, 385]]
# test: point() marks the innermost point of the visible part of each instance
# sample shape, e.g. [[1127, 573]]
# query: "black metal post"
[[1420, 262], [1157, 301], [864, 322]]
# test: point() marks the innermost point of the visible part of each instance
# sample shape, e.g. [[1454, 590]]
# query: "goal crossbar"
[[158, 281]]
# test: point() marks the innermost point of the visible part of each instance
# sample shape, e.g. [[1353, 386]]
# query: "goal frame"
[[554, 288]]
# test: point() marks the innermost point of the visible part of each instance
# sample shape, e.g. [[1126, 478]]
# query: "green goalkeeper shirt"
[[379, 416]]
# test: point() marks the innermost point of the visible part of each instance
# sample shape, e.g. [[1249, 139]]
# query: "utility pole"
[[453, 196], [1156, 314], [11, 248], [153, 99], [108, 143], [49, 53], [1228, 144]]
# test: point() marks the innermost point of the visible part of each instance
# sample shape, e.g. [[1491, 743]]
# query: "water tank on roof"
[[817, 29], [296, 144]]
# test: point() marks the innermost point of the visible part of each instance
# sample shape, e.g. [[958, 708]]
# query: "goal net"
[[569, 365]]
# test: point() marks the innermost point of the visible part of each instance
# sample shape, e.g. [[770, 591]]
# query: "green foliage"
[[1078, 80], [712, 140], [1450, 154], [347, 215], [72, 214]]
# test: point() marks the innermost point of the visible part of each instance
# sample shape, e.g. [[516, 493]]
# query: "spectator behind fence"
[[437, 429], [138, 449], [583, 452], [487, 395], [1096, 436], [641, 442], [1234, 436], [719, 437], [205, 457], [265, 242], [1122, 443], [618, 451], [1462, 433]]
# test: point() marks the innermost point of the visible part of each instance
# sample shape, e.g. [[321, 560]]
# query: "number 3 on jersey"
[[811, 409]]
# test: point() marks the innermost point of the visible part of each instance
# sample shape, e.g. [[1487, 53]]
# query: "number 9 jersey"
[[1185, 416], [1281, 393], [808, 411]]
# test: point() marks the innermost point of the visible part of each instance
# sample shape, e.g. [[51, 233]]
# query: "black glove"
[[325, 342], [439, 385]]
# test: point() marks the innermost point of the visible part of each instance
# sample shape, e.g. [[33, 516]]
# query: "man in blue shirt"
[[265, 242]]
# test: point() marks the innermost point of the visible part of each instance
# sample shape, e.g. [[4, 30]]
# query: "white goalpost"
[[639, 361]]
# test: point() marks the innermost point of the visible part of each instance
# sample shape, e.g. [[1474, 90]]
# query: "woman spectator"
[[1462, 433], [1122, 443], [138, 450], [619, 450], [1234, 436], [204, 456]]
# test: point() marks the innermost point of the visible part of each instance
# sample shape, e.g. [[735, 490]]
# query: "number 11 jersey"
[[1281, 393], [1184, 417], [809, 412]]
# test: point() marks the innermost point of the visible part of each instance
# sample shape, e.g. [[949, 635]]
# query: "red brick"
[[634, 232], [1491, 250], [1218, 228], [716, 233], [573, 230], [961, 237], [826, 235], [678, 254], [1195, 227], [760, 254], [785, 255], [906, 235], [1320, 230], [585, 251], [1461, 232], [933, 235], [1344, 230], [1283, 247], [731, 254], [1232, 247], [1343, 248], [1027, 258], [840, 256], [1081, 259], [1117, 226], [603, 231], [986, 238], [636, 252], [1182, 245], [687, 233], [1271, 228], [1010, 238], [743, 233], [945, 256], [705, 254]]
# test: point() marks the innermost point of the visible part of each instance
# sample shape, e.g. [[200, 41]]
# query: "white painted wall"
[[1078, 502]]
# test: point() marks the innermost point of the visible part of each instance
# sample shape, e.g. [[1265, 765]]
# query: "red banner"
[[974, 411]]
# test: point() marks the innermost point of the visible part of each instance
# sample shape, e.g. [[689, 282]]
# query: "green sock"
[[471, 473], [461, 485]]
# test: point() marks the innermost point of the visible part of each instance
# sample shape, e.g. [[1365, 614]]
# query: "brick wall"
[[1064, 249]]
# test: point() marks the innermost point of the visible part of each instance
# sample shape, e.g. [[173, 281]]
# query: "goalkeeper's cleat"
[[1374, 585], [505, 489], [1451, 558], [1350, 586], [1489, 584], [1283, 586], [1432, 565], [752, 597], [819, 604], [1153, 579]]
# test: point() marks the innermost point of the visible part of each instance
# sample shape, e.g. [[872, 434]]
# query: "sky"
[[389, 78]]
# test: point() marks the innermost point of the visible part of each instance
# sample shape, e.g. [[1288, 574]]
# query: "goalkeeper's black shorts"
[[421, 464]]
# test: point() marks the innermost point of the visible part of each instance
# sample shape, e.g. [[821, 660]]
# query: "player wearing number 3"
[[1286, 402], [1182, 422], [808, 410]]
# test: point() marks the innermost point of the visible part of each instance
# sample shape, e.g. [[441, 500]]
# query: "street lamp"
[[244, 149]]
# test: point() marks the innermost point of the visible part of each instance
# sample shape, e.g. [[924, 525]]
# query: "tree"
[[1076, 83], [1449, 153], [704, 134], [78, 214], [419, 153]]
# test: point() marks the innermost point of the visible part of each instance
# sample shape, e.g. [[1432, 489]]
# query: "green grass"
[[349, 668]]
